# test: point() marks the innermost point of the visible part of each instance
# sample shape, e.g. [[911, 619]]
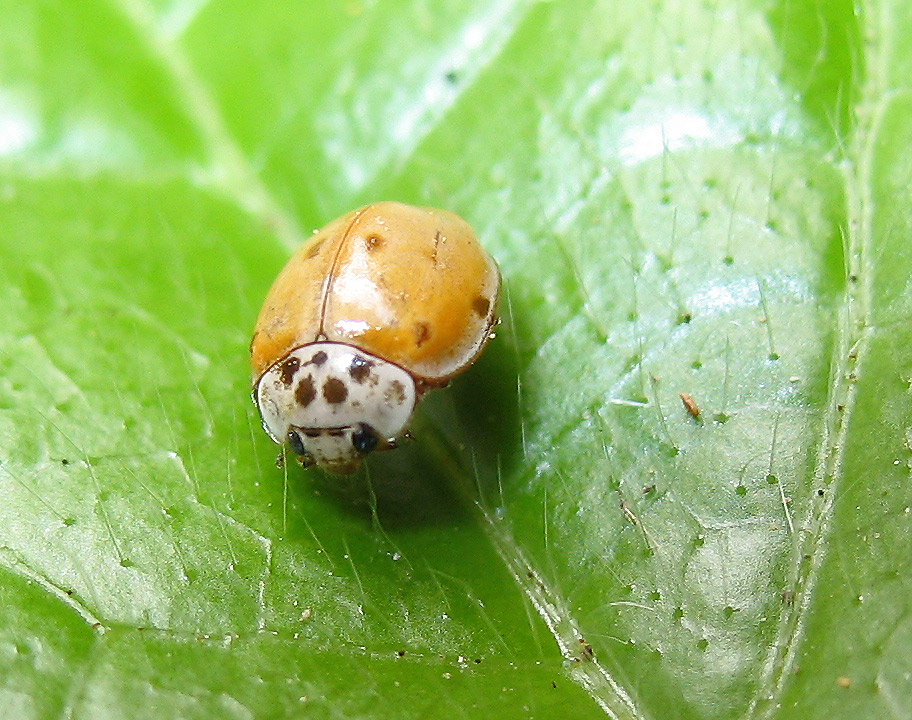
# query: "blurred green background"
[[685, 196]]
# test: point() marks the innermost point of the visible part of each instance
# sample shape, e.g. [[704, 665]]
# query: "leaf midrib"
[[229, 172], [852, 339]]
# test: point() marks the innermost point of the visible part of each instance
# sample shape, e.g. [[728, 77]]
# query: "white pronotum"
[[335, 402]]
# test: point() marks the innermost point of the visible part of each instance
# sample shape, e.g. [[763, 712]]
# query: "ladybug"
[[377, 308]]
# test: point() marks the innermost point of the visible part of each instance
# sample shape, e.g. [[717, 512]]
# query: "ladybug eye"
[[364, 439], [297, 446]]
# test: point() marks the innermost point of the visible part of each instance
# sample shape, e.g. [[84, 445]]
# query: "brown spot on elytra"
[[334, 391], [314, 249], [305, 392], [319, 358], [422, 333], [288, 369], [374, 242], [395, 393], [359, 368], [481, 305]]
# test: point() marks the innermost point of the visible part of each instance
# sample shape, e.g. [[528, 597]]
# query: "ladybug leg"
[[305, 461], [388, 444], [394, 442]]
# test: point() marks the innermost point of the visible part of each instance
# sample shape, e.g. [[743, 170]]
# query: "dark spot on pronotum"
[[481, 305], [295, 443], [422, 333], [319, 358], [401, 653], [305, 392], [334, 391], [395, 393], [359, 368], [288, 369], [364, 439], [374, 242], [314, 249]]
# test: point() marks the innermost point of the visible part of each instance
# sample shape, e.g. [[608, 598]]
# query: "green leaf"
[[675, 486]]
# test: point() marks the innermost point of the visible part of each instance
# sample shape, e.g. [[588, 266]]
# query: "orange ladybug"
[[375, 309]]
